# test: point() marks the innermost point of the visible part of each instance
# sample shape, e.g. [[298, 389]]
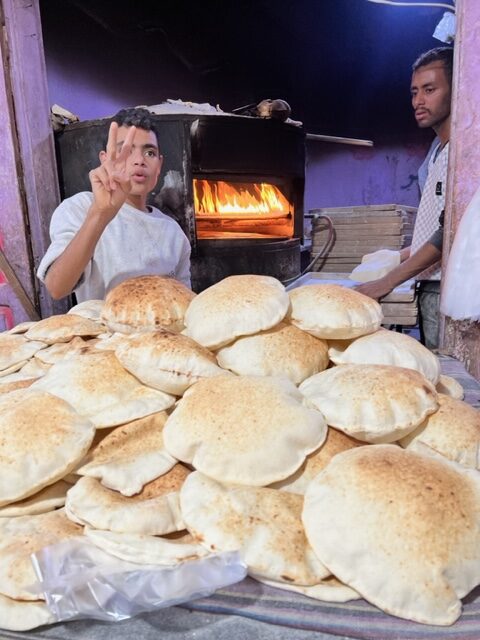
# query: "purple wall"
[[342, 175]]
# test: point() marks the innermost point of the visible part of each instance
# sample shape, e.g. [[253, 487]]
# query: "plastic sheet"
[[460, 299], [81, 581]]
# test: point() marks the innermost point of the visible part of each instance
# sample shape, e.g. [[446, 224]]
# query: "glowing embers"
[[241, 210]]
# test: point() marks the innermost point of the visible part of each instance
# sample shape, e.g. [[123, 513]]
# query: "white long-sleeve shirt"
[[134, 243]]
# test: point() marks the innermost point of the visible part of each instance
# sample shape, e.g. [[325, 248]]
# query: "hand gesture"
[[110, 181]]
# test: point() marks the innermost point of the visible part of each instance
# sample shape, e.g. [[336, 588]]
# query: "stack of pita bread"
[[166, 426]]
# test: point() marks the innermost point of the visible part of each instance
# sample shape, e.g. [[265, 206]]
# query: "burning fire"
[[215, 197]]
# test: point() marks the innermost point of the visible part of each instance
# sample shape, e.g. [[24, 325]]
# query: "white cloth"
[[432, 203], [460, 299], [134, 243]]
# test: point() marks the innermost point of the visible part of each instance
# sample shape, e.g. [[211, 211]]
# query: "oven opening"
[[239, 209]]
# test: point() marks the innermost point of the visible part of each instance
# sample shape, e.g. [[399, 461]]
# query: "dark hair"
[[138, 117], [439, 54]]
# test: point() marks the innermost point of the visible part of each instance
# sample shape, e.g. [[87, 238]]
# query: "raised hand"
[[111, 181]]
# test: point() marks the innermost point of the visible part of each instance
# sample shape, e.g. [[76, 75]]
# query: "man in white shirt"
[[103, 237], [431, 90]]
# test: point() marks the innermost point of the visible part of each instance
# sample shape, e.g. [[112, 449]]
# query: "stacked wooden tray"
[[358, 231]]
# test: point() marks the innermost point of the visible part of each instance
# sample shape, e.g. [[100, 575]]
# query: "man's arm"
[[110, 187], [425, 257], [65, 272]]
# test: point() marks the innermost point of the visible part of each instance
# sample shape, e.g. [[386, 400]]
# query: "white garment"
[[432, 203], [134, 243]]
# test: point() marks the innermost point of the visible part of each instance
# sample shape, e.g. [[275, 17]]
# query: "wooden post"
[[462, 339], [28, 176]]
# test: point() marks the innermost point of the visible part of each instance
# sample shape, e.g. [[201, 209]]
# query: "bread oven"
[[234, 184]]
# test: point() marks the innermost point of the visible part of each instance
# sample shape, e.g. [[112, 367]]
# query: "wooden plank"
[[407, 309], [35, 171], [17, 287], [405, 321]]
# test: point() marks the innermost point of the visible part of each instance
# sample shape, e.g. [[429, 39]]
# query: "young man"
[[431, 90], [103, 237]]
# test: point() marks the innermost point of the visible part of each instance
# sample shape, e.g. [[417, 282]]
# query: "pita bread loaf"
[[283, 350], [42, 438], [60, 350], [22, 327], [400, 528], [19, 538], [143, 549], [328, 590], [14, 368], [98, 387], [146, 303], [6, 387], [453, 431], [18, 615], [450, 387], [16, 349], [63, 328], [331, 311], [336, 442], [236, 306], [373, 403], [154, 511], [243, 429], [264, 525], [167, 361], [387, 347], [91, 309], [47, 499], [130, 456]]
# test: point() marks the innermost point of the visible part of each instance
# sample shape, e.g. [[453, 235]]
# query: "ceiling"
[[343, 65]]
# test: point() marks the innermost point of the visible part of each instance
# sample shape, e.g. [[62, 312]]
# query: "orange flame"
[[215, 197]]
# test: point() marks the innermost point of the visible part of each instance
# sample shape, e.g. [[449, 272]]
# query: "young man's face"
[[431, 95], [144, 163]]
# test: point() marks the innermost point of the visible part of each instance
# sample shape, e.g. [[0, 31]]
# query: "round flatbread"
[[328, 590], [18, 615], [142, 549], [42, 438], [236, 306], [372, 403], [154, 511], [243, 429], [16, 350], [453, 431], [335, 443], [63, 328], [47, 499], [386, 347], [130, 456], [264, 525], [167, 361], [450, 387], [19, 538], [331, 311], [400, 528], [284, 350], [98, 387], [91, 309], [146, 303]]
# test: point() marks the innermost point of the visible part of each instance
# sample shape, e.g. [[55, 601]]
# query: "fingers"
[[100, 175], [127, 145], [111, 149]]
